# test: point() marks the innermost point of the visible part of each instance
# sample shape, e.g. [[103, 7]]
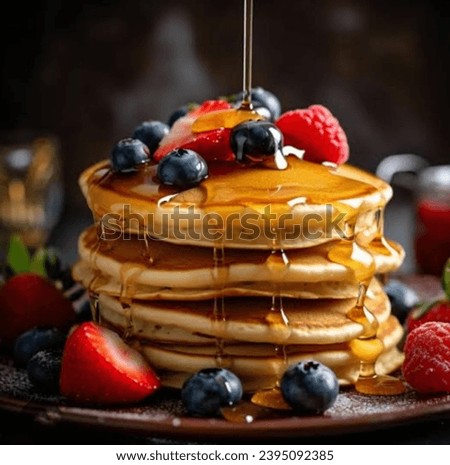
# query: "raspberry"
[[439, 311], [426, 367], [316, 131]]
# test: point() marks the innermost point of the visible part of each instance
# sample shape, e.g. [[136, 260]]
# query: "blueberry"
[[403, 298], [151, 133], [309, 387], [263, 101], [34, 340], [127, 154], [255, 138], [205, 392], [182, 168], [44, 370], [177, 114]]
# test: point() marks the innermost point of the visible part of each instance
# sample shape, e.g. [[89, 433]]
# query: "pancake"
[[293, 321], [347, 374], [259, 207], [158, 270], [265, 364]]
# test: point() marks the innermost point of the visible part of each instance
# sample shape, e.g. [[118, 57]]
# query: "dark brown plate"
[[163, 415]]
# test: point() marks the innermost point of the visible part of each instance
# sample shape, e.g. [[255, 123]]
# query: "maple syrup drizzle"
[[246, 103], [129, 274], [367, 347], [95, 307], [232, 117], [270, 398], [220, 275], [278, 263], [224, 119]]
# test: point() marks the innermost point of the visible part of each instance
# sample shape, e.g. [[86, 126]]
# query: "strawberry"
[[436, 311], [28, 300], [211, 145], [99, 367], [426, 367], [316, 131]]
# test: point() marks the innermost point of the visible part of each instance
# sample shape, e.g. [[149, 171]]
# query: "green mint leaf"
[[37, 262], [18, 256], [446, 278]]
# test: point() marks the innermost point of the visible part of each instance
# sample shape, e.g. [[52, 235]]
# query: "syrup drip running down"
[[380, 244], [277, 318], [278, 263], [129, 274], [92, 292], [367, 347], [220, 275]]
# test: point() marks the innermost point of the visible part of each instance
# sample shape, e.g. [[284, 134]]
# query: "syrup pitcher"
[[430, 186]]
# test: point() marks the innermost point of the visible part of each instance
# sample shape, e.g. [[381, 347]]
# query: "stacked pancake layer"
[[254, 269]]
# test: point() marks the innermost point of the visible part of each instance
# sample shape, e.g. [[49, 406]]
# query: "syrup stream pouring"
[[246, 103]]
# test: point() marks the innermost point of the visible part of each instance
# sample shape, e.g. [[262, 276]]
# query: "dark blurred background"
[[90, 71]]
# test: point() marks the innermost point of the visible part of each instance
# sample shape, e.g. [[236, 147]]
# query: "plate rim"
[[52, 414]]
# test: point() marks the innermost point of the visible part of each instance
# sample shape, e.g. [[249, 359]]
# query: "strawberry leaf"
[[18, 257], [446, 278], [37, 262]]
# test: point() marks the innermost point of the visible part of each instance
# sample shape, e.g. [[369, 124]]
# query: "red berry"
[[440, 311], [211, 145], [316, 131], [28, 300], [99, 367], [426, 367]]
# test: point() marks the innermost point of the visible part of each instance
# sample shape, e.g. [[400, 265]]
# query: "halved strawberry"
[[99, 367], [28, 300], [211, 145], [316, 131]]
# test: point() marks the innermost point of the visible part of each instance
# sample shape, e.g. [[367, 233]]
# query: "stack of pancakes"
[[254, 269]]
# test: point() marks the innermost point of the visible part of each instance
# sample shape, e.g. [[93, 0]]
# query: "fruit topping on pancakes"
[[316, 131], [128, 154], [182, 168], [211, 145], [151, 133]]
